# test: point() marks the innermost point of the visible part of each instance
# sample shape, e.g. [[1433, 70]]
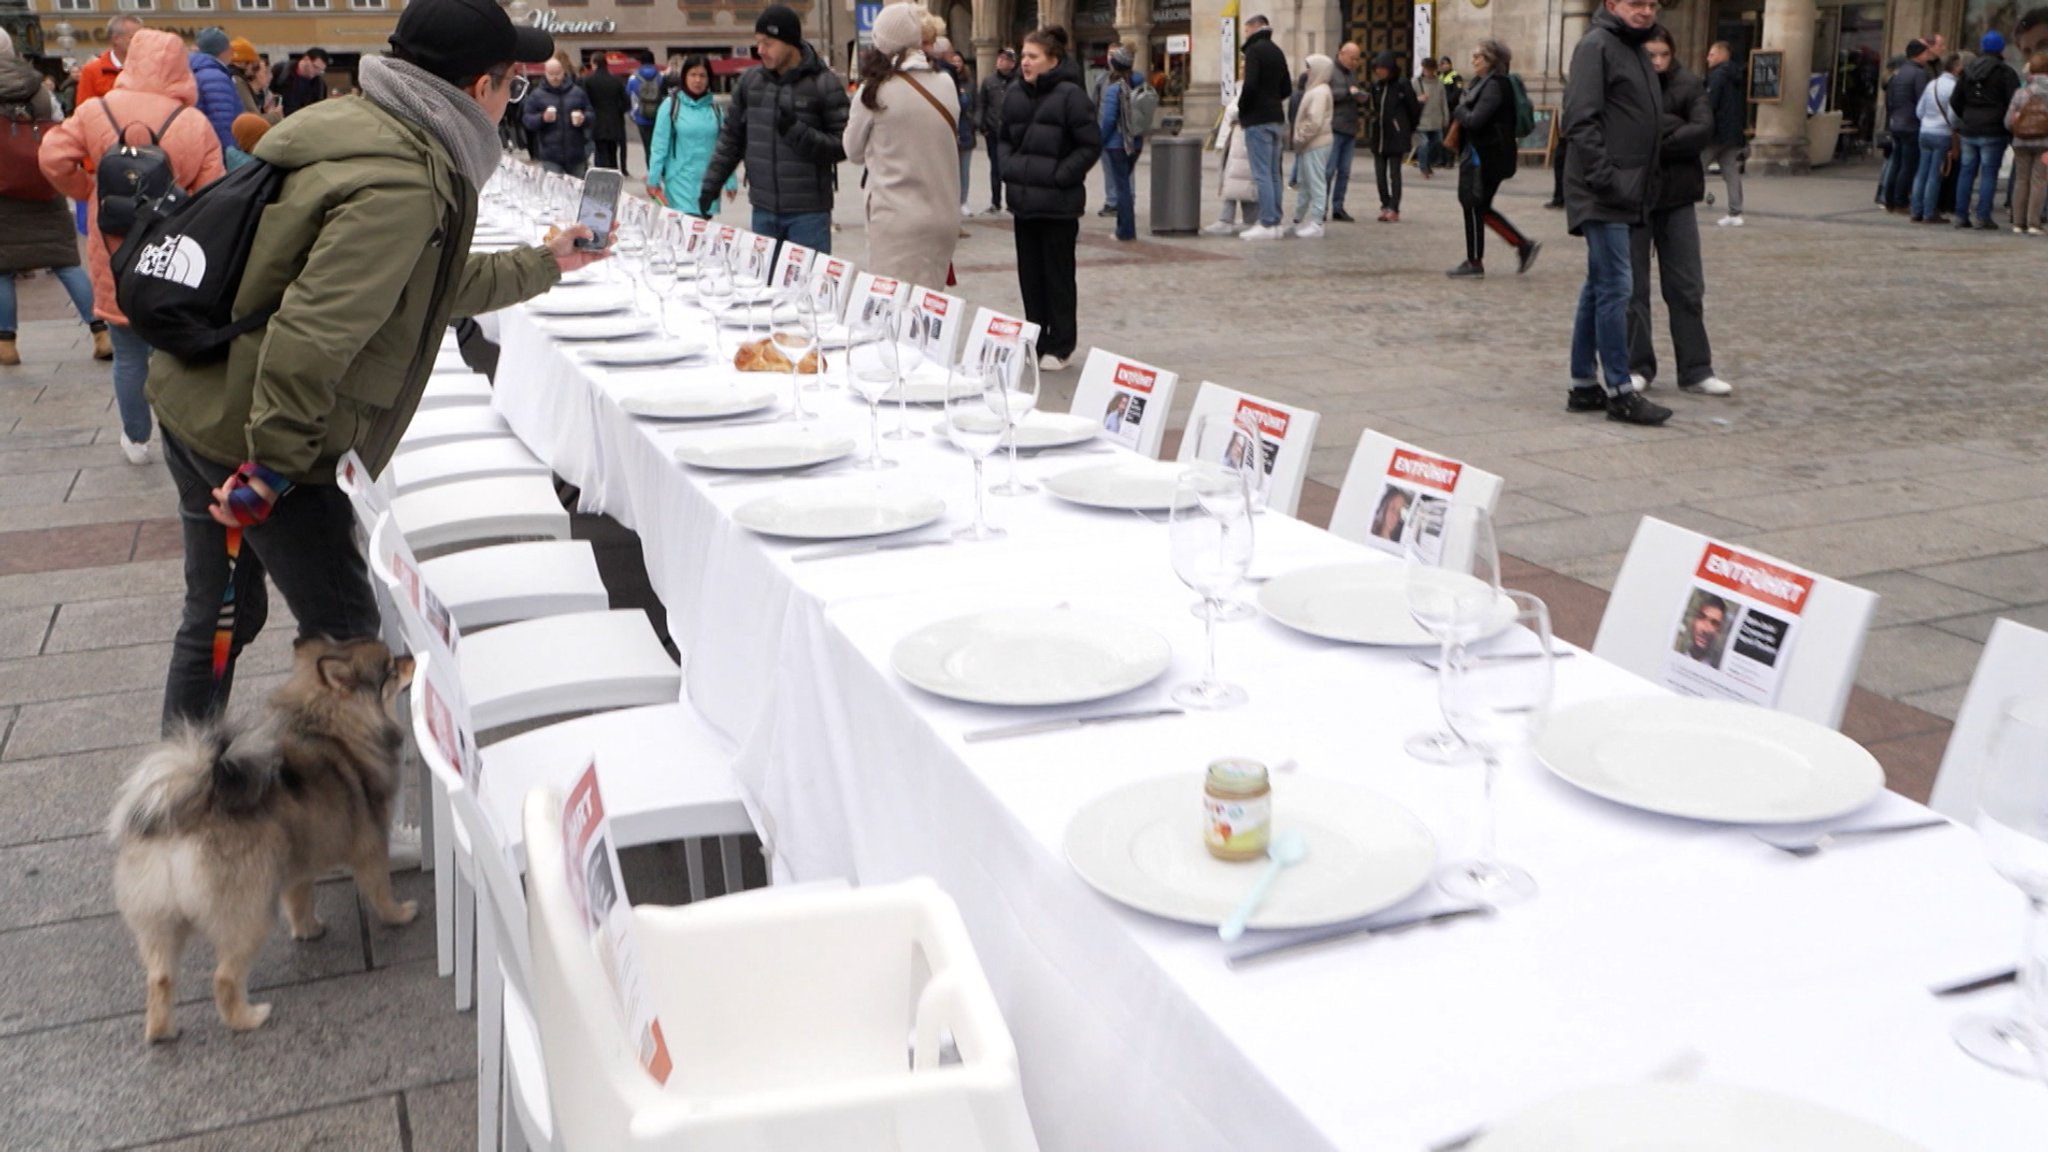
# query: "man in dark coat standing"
[[1347, 99], [1727, 145], [1262, 112], [607, 96], [988, 115], [1613, 114], [1902, 120], [787, 123], [1394, 111]]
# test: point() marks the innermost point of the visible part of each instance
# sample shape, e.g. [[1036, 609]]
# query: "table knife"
[[861, 549], [1334, 932], [1034, 727], [1981, 983]]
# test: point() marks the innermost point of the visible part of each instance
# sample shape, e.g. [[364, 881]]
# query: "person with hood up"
[[1390, 132], [1262, 97], [1312, 141], [1982, 96], [1613, 115], [1485, 122], [685, 133], [1051, 139], [1235, 191], [645, 92], [38, 233], [558, 114], [218, 99], [365, 254], [1120, 152], [904, 129], [988, 115], [155, 93], [1674, 232], [607, 96], [787, 123], [2026, 117]]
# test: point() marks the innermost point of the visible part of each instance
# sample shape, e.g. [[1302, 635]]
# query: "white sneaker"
[[1711, 386], [1730, 221], [405, 847], [1641, 384], [1219, 228], [1261, 232], [1308, 231], [136, 453], [1051, 363], [966, 212]]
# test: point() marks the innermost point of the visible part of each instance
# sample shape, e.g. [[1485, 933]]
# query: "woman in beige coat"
[[903, 128]]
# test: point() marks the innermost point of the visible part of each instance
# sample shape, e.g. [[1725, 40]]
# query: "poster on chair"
[[599, 891], [1413, 481], [1732, 638], [1130, 394], [1271, 426]]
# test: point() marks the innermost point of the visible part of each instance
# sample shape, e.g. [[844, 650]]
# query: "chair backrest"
[[695, 231], [1286, 433], [792, 267], [933, 322], [1132, 400], [834, 275], [1775, 621], [368, 498], [441, 723], [2014, 663], [871, 291], [991, 326], [1388, 479], [426, 622]]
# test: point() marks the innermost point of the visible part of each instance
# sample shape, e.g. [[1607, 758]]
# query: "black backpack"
[[130, 174], [177, 275], [650, 93]]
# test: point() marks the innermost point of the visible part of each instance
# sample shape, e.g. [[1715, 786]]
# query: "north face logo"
[[179, 259]]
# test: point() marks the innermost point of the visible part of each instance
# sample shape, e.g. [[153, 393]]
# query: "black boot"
[[1470, 269], [1630, 408]]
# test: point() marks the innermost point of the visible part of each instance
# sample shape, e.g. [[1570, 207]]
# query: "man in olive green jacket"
[[366, 253]]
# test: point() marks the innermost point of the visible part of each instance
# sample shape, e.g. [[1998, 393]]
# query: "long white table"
[[1653, 940]]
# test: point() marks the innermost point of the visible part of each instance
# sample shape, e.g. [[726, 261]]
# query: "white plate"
[[597, 327], [1355, 603], [590, 301], [827, 511], [645, 352], [698, 401], [1141, 845], [1684, 1118], [770, 452], [1709, 760], [1054, 430], [1031, 656], [1144, 485]]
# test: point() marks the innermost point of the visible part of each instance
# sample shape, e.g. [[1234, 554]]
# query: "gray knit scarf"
[[414, 94]]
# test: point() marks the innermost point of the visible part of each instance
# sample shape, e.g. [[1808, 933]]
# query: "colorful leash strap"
[[224, 625]]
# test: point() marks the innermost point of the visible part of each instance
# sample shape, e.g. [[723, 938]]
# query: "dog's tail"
[[199, 768]]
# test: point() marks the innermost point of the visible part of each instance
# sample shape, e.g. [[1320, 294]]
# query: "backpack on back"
[[21, 140], [648, 95], [2031, 121], [177, 275], [131, 175], [1525, 112], [1137, 108]]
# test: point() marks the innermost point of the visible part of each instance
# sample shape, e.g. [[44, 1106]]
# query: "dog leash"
[[224, 624]]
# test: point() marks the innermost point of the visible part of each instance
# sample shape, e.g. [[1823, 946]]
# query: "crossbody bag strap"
[[952, 124]]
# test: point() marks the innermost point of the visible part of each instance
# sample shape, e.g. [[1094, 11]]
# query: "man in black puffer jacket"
[[787, 121], [1674, 231], [1262, 113], [1050, 141], [1613, 112], [1982, 94]]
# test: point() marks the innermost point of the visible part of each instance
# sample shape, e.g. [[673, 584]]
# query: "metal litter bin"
[[1176, 184]]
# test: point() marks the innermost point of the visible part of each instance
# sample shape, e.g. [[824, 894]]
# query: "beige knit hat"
[[897, 27]]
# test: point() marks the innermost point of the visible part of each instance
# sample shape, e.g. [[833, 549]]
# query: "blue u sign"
[[864, 15]]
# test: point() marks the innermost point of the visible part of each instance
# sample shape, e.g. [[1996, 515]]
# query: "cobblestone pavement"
[[1890, 427]]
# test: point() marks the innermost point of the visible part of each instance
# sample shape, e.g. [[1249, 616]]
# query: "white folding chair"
[[2014, 663], [1289, 434], [462, 389], [432, 427], [872, 292], [932, 323], [1131, 399], [457, 514], [489, 459], [990, 326], [792, 267], [1637, 630], [836, 275], [1388, 477], [785, 1015]]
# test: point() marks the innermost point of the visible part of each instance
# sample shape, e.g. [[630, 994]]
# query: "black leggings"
[[1476, 187], [1386, 171], [1045, 276]]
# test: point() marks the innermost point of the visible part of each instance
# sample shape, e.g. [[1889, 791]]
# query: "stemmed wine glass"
[[1231, 442], [977, 412], [658, 270], [1453, 591], [1494, 699], [870, 372], [793, 327], [629, 244], [715, 294], [824, 308], [1210, 533], [2012, 822], [1016, 360], [909, 358]]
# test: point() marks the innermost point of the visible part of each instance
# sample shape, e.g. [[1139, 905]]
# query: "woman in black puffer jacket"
[[1049, 131]]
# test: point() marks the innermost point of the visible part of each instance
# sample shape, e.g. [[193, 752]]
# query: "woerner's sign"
[[554, 25]]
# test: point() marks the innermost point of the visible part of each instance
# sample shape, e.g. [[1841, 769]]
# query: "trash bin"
[[1176, 185]]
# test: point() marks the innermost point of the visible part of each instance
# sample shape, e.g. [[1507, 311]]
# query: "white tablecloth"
[[1652, 939]]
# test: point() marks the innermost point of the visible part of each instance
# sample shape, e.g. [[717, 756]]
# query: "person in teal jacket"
[[684, 134]]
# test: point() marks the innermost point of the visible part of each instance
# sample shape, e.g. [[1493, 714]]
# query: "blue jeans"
[[1981, 157], [1426, 145], [1601, 328], [966, 176], [1340, 169], [131, 372], [1117, 163], [1263, 143], [813, 230], [1926, 176], [76, 284]]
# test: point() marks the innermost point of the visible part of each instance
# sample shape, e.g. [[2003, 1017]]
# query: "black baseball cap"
[[460, 39]]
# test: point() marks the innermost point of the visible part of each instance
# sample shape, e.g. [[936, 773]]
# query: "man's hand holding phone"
[[568, 257]]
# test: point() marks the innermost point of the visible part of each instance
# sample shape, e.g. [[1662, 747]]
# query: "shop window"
[[136, 5], [74, 5], [196, 5], [310, 5], [253, 5], [361, 4]]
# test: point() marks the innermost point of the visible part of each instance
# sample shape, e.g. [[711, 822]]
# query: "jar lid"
[[1237, 776]]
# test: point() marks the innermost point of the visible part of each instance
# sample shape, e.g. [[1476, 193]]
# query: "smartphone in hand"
[[601, 190]]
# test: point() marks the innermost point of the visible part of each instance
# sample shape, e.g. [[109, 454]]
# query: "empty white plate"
[[698, 401], [637, 352], [1141, 845], [1143, 485], [769, 451], [597, 327], [1355, 603], [1709, 760], [821, 510], [1684, 1118], [595, 300], [1031, 656], [1054, 430]]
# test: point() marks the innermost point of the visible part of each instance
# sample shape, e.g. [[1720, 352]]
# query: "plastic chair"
[[785, 1016], [838, 274], [1381, 458], [432, 427], [2014, 663], [1651, 589], [792, 267], [457, 514], [1294, 430], [488, 459], [1148, 394], [871, 291], [944, 317], [991, 325], [453, 389]]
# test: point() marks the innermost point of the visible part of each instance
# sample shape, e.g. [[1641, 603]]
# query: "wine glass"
[[793, 327], [1494, 699], [1229, 441], [1211, 537], [2012, 822], [870, 372], [658, 271], [628, 245], [824, 306], [977, 413], [909, 358], [715, 294], [1453, 592], [1016, 359]]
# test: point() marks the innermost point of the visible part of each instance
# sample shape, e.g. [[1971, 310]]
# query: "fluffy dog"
[[221, 823]]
